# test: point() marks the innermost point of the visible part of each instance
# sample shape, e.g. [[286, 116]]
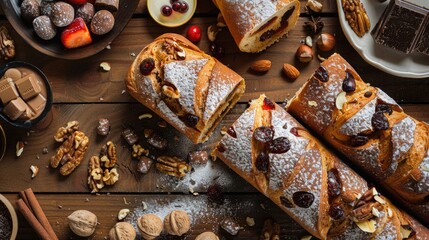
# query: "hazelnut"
[[150, 226], [207, 236], [122, 231], [82, 222], [304, 53], [177, 223], [325, 42]]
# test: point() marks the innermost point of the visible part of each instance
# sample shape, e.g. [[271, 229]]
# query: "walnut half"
[[7, 45]]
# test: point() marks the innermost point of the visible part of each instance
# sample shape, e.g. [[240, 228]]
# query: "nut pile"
[[101, 169], [72, 150]]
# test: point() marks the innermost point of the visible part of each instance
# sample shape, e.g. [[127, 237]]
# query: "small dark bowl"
[[49, 99], [53, 47]]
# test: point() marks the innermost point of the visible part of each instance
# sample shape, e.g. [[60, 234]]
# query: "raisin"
[[336, 212], [268, 104], [349, 83], [384, 108], [379, 121], [266, 35], [278, 145], [190, 120], [262, 162], [147, 65], [221, 148], [263, 134], [231, 132], [215, 194], [367, 94], [358, 140], [285, 202], [303, 199], [334, 183], [294, 131], [321, 74]]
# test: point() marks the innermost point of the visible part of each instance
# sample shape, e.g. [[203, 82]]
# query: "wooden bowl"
[[13, 217], [53, 47]]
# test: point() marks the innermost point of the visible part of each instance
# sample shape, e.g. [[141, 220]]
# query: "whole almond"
[[261, 66], [290, 71]]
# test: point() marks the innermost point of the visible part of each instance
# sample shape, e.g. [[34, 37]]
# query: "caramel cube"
[[37, 104], [15, 108], [28, 86], [7, 90]]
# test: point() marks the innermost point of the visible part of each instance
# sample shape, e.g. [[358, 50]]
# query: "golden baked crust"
[[309, 183], [204, 87]]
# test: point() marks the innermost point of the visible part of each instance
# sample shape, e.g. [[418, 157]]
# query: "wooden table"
[[83, 92]]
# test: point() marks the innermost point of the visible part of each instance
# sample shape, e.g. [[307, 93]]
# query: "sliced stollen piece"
[[370, 129], [257, 24], [278, 156], [186, 87]]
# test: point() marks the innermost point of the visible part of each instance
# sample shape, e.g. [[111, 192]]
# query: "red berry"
[[177, 6], [173, 1], [184, 7], [166, 10], [194, 34], [268, 104]]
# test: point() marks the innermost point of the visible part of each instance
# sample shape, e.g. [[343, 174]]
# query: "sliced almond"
[[312, 103], [405, 232], [309, 41], [105, 66], [389, 212], [375, 212], [340, 100], [374, 192], [425, 168], [379, 199], [308, 237], [250, 221], [367, 226], [145, 115], [34, 170], [314, 5], [123, 213], [19, 148]]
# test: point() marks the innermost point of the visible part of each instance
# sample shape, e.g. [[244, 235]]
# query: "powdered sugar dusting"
[[308, 179], [145, 88], [366, 157], [169, 115], [238, 150], [183, 75], [281, 165], [350, 180], [361, 121], [402, 139], [386, 98], [352, 232], [423, 184], [389, 232]]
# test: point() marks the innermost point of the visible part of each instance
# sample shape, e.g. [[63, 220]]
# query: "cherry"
[[173, 1], [177, 6], [166, 10], [184, 7], [194, 34]]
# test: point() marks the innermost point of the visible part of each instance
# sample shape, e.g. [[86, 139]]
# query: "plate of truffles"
[[69, 29], [393, 36]]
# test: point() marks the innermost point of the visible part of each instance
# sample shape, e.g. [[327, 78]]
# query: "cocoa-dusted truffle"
[[62, 14], [150, 226], [177, 223], [86, 12], [46, 8], [44, 27], [102, 22], [30, 9]]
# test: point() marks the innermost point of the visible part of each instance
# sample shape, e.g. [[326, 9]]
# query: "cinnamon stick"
[[24, 198], [38, 212], [31, 219]]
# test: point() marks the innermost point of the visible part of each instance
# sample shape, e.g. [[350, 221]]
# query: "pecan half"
[[110, 158], [79, 153], [7, 45], [356, 15], [364, 208], [63, 132], [62, 151], [172, 166]]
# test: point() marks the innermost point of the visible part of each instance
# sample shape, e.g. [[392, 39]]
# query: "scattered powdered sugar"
[[389, 232], [171, 116], [423, 184], [184, 75], [351, 182], [402, 140], [386, 98], [366, 158], [361, 121], [146, 89]]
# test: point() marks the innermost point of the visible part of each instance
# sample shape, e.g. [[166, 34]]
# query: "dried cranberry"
[[384, 108], [379, 121], [268, 104], [367, 94], [231, 132], [294, 131], [262, 162], [358, 140], [278, 145], [321, 74], [303, 199], [285, 202], [166, 10], [334, 183], [147, 65], [221, 148], [215, 194], [266, 35], [263, 134], [336, 212], [349, 83], [184, 7], [190, 120], [177, 6]]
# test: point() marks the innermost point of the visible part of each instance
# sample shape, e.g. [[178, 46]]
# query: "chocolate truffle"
[[102, 22], [86, 12], [30, 9], [46, 8], [44, 27], [62, 14]]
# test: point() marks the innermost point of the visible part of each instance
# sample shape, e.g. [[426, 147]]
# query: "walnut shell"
[[150, 226], [177, 223], [122, 231], [207, 236], [82, 222]]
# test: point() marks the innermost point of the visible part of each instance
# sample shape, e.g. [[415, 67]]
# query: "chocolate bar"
[[8, 90], [404, 26]]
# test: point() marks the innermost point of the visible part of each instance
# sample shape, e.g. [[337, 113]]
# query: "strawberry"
[[76, 34], [77, 2]]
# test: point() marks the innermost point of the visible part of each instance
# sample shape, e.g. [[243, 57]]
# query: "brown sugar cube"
[[7, 90], [13, 73], [28, 87], [37, 104], [110, 5], [15, 108]]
